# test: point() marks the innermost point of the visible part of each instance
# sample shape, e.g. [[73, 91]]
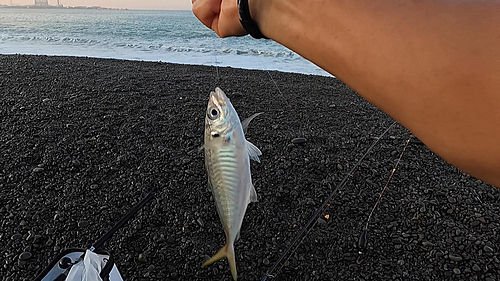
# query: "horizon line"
[[95, 7]]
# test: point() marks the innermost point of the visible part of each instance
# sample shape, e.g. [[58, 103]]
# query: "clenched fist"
[[219, 15]]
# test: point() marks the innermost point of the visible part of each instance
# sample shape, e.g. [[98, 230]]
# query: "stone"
[[299, 140], [25, 256], [456, 258], [142, 258]]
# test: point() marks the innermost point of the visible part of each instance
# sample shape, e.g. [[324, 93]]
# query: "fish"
[[227, 163]]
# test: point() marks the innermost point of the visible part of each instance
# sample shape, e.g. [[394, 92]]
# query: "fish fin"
[[253, 151], [222, 253], [201, 148], [226, 252], [245, 122], [253, 194], [232, 261]]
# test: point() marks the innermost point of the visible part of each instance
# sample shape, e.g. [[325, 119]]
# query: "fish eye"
[[213, 113]]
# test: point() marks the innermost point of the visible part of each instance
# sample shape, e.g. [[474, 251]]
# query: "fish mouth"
[[218, 97]]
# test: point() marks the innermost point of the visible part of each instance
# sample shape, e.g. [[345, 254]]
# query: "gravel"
[[82, 140]]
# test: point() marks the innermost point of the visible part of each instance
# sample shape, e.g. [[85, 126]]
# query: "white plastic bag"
[[88, 269]]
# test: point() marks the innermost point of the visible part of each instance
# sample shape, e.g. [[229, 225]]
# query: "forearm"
[[432, 65]]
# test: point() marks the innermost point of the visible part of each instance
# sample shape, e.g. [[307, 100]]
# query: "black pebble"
[[83, 224], [299, 140], [25, 255], [363, 240]]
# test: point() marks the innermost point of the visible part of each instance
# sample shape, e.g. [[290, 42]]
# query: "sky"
[[129, 4]]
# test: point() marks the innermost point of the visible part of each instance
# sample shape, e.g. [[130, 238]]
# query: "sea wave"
[[146, 46], [170, 36]]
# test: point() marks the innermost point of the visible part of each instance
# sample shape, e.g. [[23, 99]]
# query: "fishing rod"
[[107, 236], [60, 267], [314, 218], [363, 238]]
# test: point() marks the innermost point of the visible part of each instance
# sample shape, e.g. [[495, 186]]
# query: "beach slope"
[[82, 140]]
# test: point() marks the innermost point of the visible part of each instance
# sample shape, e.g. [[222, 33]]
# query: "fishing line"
[[279, 91], [363, 239], [275, 84], [314, 218], [217, 78]]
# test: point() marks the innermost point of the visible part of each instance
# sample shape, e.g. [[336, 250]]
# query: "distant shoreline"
[[62, 7], [78, 8]]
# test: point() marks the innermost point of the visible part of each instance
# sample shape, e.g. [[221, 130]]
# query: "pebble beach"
[[84, 139]]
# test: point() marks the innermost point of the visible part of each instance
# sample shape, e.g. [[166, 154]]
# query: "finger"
[[206, 11]]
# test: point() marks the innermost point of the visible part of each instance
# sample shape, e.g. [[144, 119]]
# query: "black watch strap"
[[247, 22]]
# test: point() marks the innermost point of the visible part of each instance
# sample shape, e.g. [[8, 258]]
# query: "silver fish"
[[227, 161]]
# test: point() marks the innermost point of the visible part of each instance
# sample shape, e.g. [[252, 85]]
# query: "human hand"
[[219, 15]]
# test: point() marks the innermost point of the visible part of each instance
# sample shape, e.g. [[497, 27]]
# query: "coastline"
[[83, 139], [149, 35], [60, 7], [181, 60]]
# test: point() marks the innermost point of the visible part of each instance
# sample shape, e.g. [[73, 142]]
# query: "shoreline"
[[160, 36], [63, 7], [83, 139], [321, 72]]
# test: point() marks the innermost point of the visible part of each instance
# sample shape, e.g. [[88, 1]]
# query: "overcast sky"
[[130, 4]]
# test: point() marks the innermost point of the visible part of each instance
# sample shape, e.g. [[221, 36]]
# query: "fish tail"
[[226, 252], [232, 261]]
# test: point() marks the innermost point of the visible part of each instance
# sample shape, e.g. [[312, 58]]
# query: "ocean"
[[167, 36]]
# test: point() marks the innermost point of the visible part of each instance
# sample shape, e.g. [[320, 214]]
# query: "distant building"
[[41, 3]]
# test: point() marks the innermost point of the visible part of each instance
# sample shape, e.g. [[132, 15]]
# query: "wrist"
[[254, 8]]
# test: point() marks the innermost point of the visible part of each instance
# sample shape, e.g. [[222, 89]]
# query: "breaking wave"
[[169, 36]]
